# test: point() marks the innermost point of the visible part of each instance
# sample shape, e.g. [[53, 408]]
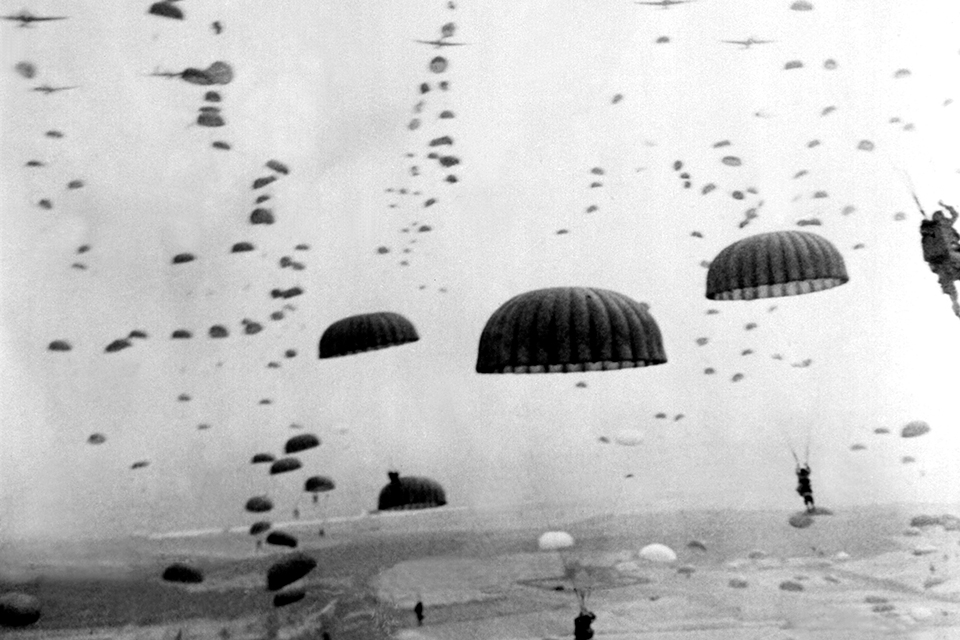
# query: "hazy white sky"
[[329, 88]]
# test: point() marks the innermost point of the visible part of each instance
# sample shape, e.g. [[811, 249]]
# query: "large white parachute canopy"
[[658, 553], [554, 540]]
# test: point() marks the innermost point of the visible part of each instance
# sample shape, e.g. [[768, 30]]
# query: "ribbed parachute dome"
[[301, 442], [773, 265], [410, 492], [366, 332], [166, 9], [563, 329]]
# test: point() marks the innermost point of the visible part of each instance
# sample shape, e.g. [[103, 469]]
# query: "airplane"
[[166, 74], [25, 18], [47, 89], [749, 41], [442, 43], [665, 4]]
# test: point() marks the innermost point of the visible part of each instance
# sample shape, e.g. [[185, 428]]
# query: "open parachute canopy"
[[658, 553], [259, 458], [563, 329], [366, 332], [261, 526], [166, 9], [18, 609], [177, 572], [319, 484], [289, 596], [284, 465], [410, 492], [776, 264], [281, 539], [914, 429], [301, 442], [289, 570], [553, 540], [259, 504]]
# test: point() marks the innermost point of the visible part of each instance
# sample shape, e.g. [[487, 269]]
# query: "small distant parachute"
[[678, 417], [301, 442], [96, 438], [709, 371], [907, 459], [178, 572], [262, 216], [438, 64], [793, 64], [746, 352], [731, 161], [319, 484], [259, 458], [289, 570], [446, 115], [18, 609], [285, 465], [564, 329], [604, 439], [59, 345], [865, 145], [801, 5], [366, 332], [857, 447], [702, 341], [183, 397], [914, 429], [181, 258], [137, 333], [697, 545], [218, 331], [140, 464], [75, 184], [629, 437], [901, 73], [263, 181], [26, 69], [410, 492], [288, 597], [829, 64], [828, 110], [776, 264], [211, 96], [35, 163], [181, 334], [281, 539], [881, 430], [203, 426], [553, 540], [707, 188], [581, 385], [241, 247], [737, 377], [252, 328], [809, 222], [616, 98], [278, 166], [261, 526], [210, 119], [658, 553], [53, 133], [661, 416], [117, 345], [166, 9], [220, 144], [259, 504]]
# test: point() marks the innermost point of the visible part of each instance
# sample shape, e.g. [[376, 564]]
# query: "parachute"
[[166, 9], [769, 265], [220, 72], [209, 119], [117, 345], [181, 334], [290, 596], [75, 184], [59, 345], [697, 545], [881, 430], [914, 429], [220, 144], [259, 504], [259, 183], [289, 570], [800, 520], [658, 553], [319, 484], [553, 540], [262, 216], [240, 247], [301, 442], [801, 5], [18, 609], [262, 457], [793, 64], [218, 331], [410, 492], [438, 64], [366, 332], [278, 166], [565, 329], [140, 464], [182, 573], [285, 465], [96, 438], [857, 446], [281, 539], [731, 161], [137, 333], [211, 96], [261, 526], [181, 258]]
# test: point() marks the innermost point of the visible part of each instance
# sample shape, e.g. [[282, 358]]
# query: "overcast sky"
[[330, 89]]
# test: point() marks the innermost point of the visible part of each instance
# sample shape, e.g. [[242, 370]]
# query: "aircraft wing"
[[441, 43], [47, 18]]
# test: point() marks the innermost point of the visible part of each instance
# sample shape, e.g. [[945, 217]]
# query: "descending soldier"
[[941, 250], [804, 487]]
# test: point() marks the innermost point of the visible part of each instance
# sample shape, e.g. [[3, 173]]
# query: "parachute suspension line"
[[913, 191]]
